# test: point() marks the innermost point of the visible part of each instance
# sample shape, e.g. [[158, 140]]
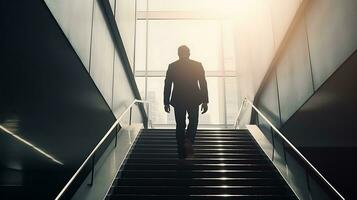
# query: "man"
[[189, 92]]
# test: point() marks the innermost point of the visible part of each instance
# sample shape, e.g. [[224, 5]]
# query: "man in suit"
[[189, 92]]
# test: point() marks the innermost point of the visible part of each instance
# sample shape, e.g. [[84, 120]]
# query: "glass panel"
[[215, 113], [155, 92], [202, 37], [228, 46], [231, 99], [229, 64], [211, 42], [192, 5], [140, 82], [140, 46], [141, 5], [174, 5]]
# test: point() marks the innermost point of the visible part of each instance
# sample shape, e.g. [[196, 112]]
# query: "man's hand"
[[167, 108], [204, 108]]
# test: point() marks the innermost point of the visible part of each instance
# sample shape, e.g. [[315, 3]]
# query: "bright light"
[[208, 8], [225, 195], [31, 145], [228, 8]]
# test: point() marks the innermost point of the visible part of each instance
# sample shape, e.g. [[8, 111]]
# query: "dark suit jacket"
[[189, 84]]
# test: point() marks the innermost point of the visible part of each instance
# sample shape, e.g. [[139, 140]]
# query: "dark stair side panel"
[[46, 97], [228, 164]]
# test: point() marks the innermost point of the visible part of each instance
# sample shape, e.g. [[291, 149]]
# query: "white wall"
[[125, 18], [75, 19], [83, 23], [320, 41], [260, 28]]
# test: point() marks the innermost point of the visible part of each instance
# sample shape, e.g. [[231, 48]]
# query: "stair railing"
[[307, 163], [91, 156]]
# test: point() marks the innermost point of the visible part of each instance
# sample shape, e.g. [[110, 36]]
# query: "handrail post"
[[273, 143], [285, 159], [148, 116], [116, 136], [92, 171], [308, 183], [116, 139], [130, 115], [236, 123]]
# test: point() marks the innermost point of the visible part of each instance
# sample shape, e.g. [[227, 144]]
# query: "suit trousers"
[[181, 133]]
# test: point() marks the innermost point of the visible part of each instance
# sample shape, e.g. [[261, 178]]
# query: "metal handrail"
[[236, 125], [307, 162], [91, 155]]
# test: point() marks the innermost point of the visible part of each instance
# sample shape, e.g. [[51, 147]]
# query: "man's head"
[[183, 52]]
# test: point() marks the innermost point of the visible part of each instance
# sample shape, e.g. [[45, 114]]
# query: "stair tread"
[[206, 190], [201, 197], [199, 181], [228, 164], [197, 146]]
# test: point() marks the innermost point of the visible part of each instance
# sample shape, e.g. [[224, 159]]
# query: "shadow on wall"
[[47, 97]]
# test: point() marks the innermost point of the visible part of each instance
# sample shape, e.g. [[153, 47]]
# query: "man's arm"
[[203, 85], [167, 89], [203, 88]]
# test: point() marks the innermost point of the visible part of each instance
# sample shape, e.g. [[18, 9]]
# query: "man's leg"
[[193, 122], [180, 117]]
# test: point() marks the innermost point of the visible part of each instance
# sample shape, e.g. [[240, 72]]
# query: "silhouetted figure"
[[189, 92]]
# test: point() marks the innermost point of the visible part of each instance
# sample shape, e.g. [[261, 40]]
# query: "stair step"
[[199, 181], [228, 164], [203, 138], [197, 150], [159, 166], [199, 142], [198, 130], [198, 173], [197, 146], [200, 190], [200, 134], [199, 161], [200, 197], [197, 155]]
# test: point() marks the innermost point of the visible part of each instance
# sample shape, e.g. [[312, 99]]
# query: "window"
[[211, 42]]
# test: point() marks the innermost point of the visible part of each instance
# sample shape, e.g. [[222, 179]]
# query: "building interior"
[[81, 99]]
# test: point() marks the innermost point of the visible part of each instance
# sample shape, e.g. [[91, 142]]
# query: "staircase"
[[228, 164]]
